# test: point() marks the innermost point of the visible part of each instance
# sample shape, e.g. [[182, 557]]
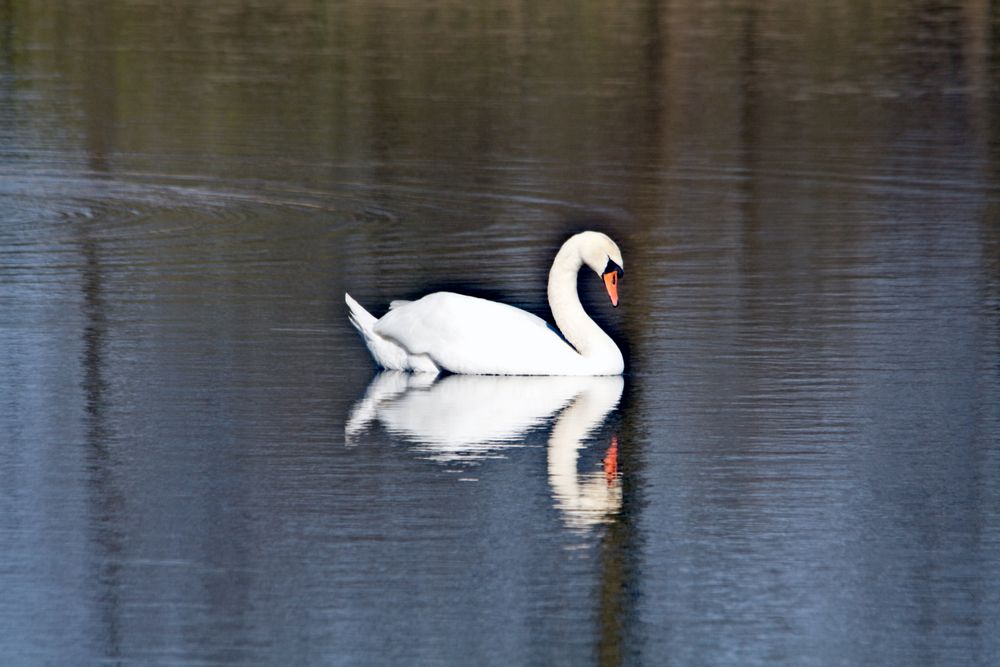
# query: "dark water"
[[801, 466]]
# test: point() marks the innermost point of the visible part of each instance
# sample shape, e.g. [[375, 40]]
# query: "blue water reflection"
[[468, 418]]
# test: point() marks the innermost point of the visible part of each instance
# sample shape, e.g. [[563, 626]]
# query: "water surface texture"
[[200, 465]]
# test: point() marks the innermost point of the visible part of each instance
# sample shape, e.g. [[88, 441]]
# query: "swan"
[[462, 334]]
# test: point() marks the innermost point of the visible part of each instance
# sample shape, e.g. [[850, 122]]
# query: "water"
[[198, 463]]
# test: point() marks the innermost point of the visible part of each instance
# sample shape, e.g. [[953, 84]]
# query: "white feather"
[[387, 354], [465, 334]]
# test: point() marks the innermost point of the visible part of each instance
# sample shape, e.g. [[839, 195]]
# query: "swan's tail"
[[386, 353], [362, 320]]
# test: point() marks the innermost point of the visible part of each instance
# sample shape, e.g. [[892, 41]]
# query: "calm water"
[[198, 463]]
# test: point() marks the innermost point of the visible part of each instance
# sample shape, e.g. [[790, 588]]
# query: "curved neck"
[[574, 323]]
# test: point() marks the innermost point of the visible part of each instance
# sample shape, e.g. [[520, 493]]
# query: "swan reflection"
[[473, 417]]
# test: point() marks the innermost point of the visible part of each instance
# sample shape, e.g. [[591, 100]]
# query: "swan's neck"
[[574, 323]]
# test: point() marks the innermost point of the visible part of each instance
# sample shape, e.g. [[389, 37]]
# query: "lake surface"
[[200, 465]]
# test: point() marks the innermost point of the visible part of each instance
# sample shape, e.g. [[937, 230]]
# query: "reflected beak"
[[611, 461], [611, 283]]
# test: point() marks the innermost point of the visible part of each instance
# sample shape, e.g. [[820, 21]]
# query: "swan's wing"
[[465, 334]]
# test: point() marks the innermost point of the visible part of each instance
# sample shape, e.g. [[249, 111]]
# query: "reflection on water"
[[802, 464], [468, 418]]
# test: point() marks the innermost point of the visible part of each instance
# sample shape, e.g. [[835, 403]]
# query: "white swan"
[[464, 334]]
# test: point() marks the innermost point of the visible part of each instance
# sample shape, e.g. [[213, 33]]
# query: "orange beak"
[[611, 282]]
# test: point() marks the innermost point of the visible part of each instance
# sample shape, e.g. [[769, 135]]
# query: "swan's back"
[[465, 334]]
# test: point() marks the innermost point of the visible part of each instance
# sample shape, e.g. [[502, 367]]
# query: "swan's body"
[[464, 334]]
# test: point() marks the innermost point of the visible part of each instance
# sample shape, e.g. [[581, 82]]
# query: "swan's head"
[[602, 255]]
